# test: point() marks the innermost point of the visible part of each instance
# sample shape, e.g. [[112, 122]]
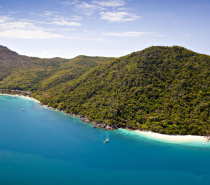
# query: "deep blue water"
[[42, 146]]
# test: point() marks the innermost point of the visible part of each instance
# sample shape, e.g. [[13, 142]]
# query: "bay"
[[42, 146]]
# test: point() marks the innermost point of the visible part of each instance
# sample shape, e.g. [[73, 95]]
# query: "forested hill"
[[10, 60], [163, 89], [33, 74]]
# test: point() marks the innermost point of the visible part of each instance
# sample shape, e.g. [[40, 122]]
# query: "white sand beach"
[[17, 95], [173, 138]]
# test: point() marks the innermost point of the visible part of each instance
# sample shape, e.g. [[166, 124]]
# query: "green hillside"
[[10, 61], [32, 73], [163, 89]]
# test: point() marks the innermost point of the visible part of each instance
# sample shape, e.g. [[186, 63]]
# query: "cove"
[[42, 146]]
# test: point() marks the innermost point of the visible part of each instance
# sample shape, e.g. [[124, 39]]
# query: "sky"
[[112, 28]]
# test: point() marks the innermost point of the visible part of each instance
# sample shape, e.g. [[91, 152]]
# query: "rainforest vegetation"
[[162, 89]]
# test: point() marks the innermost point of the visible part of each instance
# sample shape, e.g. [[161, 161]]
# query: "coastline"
[[85, 119], [178, 139], [22, 96]]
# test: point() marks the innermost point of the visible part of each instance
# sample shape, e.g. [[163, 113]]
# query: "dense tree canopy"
[[32, 73], [163, 89]]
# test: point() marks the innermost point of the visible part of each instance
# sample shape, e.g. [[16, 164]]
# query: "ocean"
[[43, 146]]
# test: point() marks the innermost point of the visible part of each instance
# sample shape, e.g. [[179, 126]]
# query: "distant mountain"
[[32, 73], [162, 89], [10, 60]]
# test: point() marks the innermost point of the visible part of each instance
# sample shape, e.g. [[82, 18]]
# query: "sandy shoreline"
[[173, 138], [17, 95], [147, 134]]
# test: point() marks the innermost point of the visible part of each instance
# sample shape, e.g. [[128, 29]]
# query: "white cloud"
[[97, 6], [126, 34], [28, 34], [48, 13], [16, 25], [76, 18], [69, 3], [45, 13], [87, 9], [83, 7], [132, 34], [110, 3], [119, 16], [64, 22], [4, 19], [123, 9], [23, 29]]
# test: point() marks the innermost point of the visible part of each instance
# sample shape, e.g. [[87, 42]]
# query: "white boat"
[[107, 140]]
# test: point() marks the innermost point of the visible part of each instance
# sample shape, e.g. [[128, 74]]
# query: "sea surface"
[[42, 146]]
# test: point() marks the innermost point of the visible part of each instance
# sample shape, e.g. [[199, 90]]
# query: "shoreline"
[[22, 96], [178, 139], [84, 118]]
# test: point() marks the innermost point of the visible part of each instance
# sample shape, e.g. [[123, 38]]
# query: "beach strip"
[[173, 138], [17, 95]]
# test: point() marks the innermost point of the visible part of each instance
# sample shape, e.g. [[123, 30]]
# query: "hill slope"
[[10, 60], [32, 73], [163, 89]]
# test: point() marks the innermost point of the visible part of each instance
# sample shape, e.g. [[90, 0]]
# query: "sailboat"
[[106, 140]]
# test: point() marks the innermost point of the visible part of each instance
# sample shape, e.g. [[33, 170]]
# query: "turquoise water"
[[42, 146]]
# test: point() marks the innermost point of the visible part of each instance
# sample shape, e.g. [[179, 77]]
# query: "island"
[[160, 89]]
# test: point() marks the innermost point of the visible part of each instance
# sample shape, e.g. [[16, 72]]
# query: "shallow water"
[[42, 146]]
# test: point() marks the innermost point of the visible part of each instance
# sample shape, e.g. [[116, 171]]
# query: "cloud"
[[23, 30], [76, 18], [110, 3], [105, 3], [119, 16], [4, 19], [97, 6], [126, 34], [28, 34], [48, 13], [131, 34], [64, 22], [87, 9], [69, 3], [17, 25], [44, 13]]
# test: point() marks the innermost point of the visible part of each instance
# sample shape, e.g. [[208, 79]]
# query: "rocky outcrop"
[[96, 124]]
